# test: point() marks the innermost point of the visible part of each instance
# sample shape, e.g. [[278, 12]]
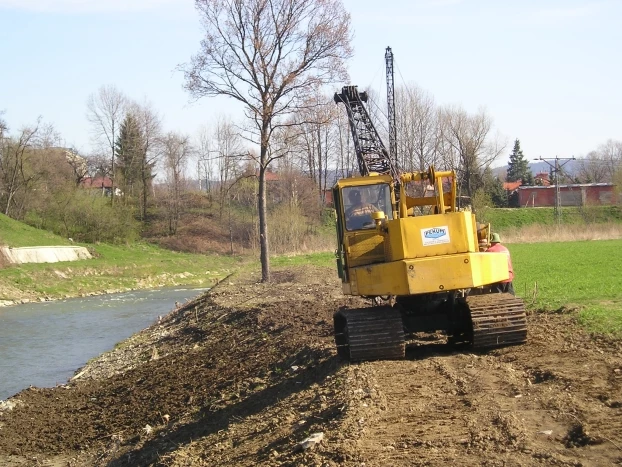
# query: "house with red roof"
[[98, 183], [512, 186]]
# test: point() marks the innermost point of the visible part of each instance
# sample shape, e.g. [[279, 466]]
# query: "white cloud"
[[84, 6]]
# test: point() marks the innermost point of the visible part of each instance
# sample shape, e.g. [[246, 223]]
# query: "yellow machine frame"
[[410, 251]]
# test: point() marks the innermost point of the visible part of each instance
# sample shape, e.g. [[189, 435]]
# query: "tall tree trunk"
[[319, 159], [12, 188], [144, 190], [112, 169], [262, 210]]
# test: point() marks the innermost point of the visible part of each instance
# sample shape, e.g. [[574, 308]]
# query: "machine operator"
[[496, 247]]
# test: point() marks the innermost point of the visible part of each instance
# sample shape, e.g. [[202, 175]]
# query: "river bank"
[[113, 269], [145, 284]]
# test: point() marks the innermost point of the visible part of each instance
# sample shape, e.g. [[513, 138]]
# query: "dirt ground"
[[242, 375]]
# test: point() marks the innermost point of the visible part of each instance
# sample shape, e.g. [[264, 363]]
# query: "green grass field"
[[583, 276]]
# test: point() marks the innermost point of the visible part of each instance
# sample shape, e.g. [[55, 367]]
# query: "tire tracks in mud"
[[555, 401]]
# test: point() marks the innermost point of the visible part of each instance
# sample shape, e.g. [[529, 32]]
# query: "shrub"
[[85, 217]]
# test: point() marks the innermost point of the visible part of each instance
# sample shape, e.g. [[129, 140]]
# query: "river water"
[[43, 344]]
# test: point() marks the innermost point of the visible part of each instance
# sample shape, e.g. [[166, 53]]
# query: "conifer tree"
[[518, 167], [494, 189], [129, 153]]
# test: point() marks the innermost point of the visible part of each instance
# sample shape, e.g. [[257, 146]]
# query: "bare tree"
[[205, 160], [150, 127], [228, 148], [4, 128], [48, 137], [14, 173], [314, 137], [105, 112], [98, 164], [602, 164], [592, 169], [470, 147], [268, 55], [346, 159], [78, 164], [416, 128], [611, 156], [176, 150]]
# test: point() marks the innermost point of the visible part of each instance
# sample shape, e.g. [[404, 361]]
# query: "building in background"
[[103, 184], [584, 194]]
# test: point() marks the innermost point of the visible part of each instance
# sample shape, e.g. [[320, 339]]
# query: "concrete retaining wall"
[[44, 254]]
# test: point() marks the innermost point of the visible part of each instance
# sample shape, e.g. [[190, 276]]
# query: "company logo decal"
[[436, 232], [435, 235]]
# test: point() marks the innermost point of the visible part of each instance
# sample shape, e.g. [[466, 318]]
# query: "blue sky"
[[546, 71]]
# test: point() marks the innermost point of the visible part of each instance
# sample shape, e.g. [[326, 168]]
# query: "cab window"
[[361, 201]]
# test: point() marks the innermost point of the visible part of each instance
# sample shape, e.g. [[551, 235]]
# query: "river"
[[43, 344]]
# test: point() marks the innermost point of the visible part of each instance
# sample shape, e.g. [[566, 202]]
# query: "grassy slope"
[[16, 234], [555, 276], [516, 218], [113, 268]]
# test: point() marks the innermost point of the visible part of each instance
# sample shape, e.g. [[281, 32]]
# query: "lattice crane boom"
[[388, 56], [371, 153]]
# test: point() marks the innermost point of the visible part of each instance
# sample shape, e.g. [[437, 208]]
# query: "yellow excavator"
[[404, 243]]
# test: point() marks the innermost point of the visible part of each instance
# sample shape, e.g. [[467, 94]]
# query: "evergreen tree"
[[129, 153], [518, 167], [498, 194], [493, 187]]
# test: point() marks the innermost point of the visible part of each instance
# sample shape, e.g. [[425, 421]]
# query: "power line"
[[600, 162], [556, 168]]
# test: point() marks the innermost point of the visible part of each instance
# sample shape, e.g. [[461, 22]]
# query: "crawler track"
[[369, 334], [498, 320]]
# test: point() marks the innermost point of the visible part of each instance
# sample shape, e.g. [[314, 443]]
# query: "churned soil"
[[242, 375]]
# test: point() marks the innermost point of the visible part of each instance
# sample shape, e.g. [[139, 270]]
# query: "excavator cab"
[[360, 202]]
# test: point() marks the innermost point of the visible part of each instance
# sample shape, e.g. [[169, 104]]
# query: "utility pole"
[[556, 167]]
